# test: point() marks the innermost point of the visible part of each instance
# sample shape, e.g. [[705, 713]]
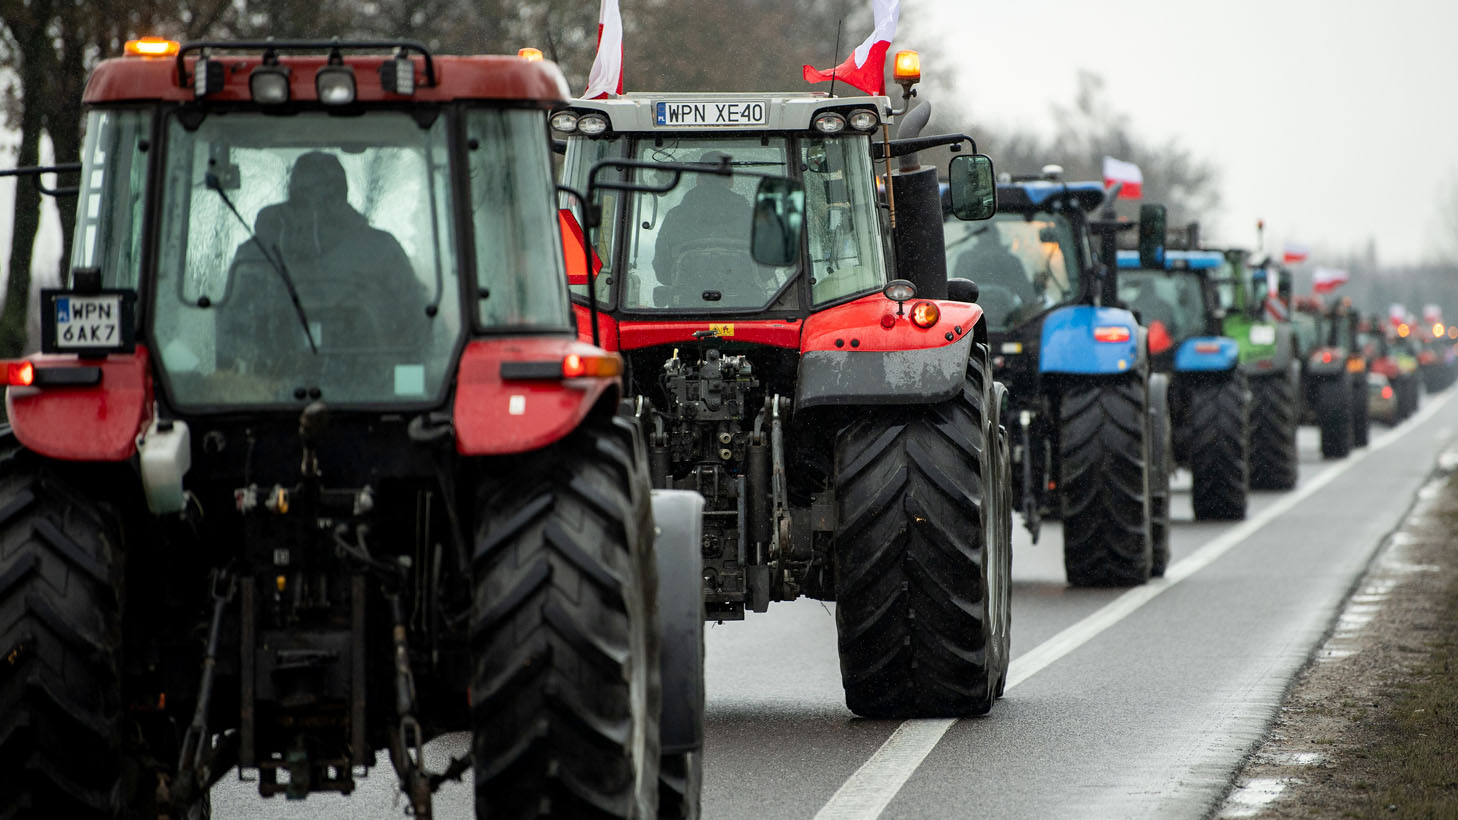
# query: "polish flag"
[[1396, 313], [1294, 252], [1117, 170], [866, 67], [1275, 308], [606, 76], [1432, 313], [1326, 280]]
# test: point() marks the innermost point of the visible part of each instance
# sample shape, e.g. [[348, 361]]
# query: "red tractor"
[[312, 462], [836, 408]]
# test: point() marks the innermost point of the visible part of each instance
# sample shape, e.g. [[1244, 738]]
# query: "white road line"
[[867, 793]]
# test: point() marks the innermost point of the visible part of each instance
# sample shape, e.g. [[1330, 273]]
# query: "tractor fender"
[[511, 396], [914, 376], [95, 421], [1069, 345], [1206, 354], [678, 554]]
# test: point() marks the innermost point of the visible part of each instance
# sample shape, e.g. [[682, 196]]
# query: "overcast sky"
[[1335, 121]]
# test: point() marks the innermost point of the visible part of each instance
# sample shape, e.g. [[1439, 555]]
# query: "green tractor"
[[1253, 313]]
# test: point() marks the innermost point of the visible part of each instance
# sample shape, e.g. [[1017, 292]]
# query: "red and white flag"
[[1432, 313], [606, 76], [866, 67], [1326, 280], [1117, 170], [1294, 252], [1275, 308]]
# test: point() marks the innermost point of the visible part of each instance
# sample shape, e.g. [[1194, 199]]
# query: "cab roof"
[[783, 110], [1177, 260], [141, 79], [1040, 195]]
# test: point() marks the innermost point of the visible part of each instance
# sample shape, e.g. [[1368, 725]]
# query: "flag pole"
[[835, 55]]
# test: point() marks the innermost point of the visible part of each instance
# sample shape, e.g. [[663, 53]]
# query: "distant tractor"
[[1209, 403], [1080, 392], [1334, 378], [312, 462]]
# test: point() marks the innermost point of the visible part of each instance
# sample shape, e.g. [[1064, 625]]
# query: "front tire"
[[1334, 415], [1219, 447], [1104, 482], [1274, 415], [1162, 457], [565, 689], [919, 590], [61, 599]]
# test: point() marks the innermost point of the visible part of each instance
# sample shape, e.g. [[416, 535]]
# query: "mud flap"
[[677, 549]]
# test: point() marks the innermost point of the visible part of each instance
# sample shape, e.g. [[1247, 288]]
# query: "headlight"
[[269, 84], [335, 85], [830, 123], [864, 119], [564, 121], [899, 290], [592, 124]]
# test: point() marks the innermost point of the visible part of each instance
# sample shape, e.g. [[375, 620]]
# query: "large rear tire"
[[61, 599], [1274, 415], [565, 690], [920, 591], [1219, 447], [1361, 418], [1334, 416], [1408, 395], [1104, 482]]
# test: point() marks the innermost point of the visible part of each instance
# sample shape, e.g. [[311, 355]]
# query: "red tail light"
[[1111, 333], [575, 366], [1207, 347], [19, 374], [1386, 391]]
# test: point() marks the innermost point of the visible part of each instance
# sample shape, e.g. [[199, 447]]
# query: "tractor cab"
[[1177, 304]]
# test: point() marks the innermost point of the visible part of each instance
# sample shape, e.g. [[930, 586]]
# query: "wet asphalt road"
[[1121, 704]]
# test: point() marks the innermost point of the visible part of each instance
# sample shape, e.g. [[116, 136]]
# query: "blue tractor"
[[1082, 404], [1209, 399]]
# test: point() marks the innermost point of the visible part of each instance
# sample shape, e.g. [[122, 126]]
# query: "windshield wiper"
[[211, 181]]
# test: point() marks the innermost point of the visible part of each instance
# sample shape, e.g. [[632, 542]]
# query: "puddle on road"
[[1248, 800]]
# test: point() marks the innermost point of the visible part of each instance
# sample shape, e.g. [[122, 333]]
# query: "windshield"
[[1223, 276], [347, 216], [689, 248], [845, 251], [1175, 300], [1023, 264]]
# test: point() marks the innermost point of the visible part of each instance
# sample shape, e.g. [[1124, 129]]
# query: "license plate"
[[92, 322], [711, 112]]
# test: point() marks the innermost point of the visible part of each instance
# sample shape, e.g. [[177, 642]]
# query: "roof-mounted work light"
[[397, 76], [334, 83], [268, 84], [207, 77]]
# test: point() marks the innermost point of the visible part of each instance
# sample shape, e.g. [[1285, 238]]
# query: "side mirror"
[[973, 187], [1151, 236], [779, 220], [962, 290]]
